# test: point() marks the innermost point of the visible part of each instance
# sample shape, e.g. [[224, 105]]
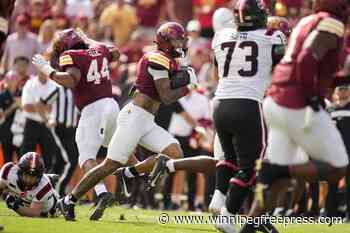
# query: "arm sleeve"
[[158, 66]]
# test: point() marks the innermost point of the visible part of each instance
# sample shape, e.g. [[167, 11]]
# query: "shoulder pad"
[[331, 25]]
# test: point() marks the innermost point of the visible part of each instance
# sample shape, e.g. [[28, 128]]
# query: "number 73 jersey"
[[93, 64], [244, 61]]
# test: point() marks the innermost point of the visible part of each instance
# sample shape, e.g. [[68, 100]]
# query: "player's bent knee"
[[174, 151], [110, 165], [87, 164]]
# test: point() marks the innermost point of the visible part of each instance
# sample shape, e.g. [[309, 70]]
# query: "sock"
[[70, 199], [199, 200], [170, 165], [130, 172], [100, 188], [176, 199]]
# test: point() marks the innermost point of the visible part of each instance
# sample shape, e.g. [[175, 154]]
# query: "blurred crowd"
[[131, 25]]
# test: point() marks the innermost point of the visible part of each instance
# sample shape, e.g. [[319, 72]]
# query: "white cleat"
[[217, 202], [225, 227]]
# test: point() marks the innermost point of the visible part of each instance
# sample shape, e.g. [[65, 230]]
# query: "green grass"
[[136, 221]]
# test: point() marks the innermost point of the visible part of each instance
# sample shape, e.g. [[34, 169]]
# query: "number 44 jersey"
[[93, 64], [244, 61]]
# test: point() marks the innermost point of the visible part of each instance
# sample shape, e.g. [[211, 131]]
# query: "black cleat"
[[66, 210], [54, 178], [1, 227], [266, 228], [159, 170], [263, 227], [103, 201]]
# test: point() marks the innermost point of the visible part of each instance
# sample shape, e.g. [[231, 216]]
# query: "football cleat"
[[217, 202], [159, 170], [67, 210], [103, 201]]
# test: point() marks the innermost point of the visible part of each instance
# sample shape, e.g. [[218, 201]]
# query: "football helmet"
[[276, 23], [65, 40], [250, 14], [339, 8], [30, 164], [171, 38], [223, 18]]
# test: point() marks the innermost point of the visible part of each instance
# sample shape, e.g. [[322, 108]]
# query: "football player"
[[244, 60], [26, 189], [295, 104], [160, 79], [82, 64]]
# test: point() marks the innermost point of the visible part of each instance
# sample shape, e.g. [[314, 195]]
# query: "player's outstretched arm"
[[68, 79], [34, 210]]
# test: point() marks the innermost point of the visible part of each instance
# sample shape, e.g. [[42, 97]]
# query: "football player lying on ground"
[[160, 79], [26, 189], [294, 108]]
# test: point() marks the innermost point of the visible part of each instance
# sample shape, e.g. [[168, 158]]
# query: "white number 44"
[[94, 75]]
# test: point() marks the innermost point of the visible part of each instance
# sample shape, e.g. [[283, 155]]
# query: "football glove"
[[12, 201], [42, 65]]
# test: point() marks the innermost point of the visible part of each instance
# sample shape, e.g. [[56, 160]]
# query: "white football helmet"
[[223, 18]]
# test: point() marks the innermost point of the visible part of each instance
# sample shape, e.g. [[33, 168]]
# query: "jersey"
[[151, 67], [93, 64], [286, 89], [244, 61], [43, 193]]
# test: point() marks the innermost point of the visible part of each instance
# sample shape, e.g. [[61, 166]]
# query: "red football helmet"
[[338, 8], [65, 40], [276, 23], [30, 164], [171, 38]]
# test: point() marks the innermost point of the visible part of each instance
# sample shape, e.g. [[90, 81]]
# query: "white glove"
[[193, 78], [42, 65]]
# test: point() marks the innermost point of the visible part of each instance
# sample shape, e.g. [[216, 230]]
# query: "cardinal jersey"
[[43, 193], [244, 61], [93, 64], [286, 89], [153, 66]]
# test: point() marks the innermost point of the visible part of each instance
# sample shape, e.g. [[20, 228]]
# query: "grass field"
[[136, 221]]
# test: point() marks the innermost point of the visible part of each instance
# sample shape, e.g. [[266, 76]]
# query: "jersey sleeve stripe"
[[66, 60], [6, 171], [159, 61], [43, 191], [332, 26]]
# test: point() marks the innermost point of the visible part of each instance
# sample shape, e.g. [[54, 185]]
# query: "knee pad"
[[240, 185]]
